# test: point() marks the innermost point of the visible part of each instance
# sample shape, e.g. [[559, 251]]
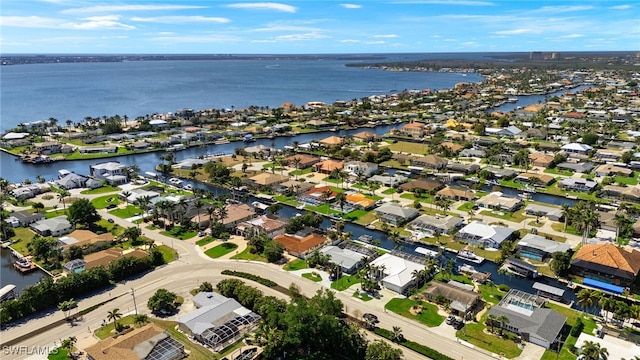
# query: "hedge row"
[[256, 278], [419, 348]]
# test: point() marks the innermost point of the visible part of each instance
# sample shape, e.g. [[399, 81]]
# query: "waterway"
[[9, 275]]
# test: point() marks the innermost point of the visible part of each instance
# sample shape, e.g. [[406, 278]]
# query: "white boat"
[[300, 207], [188, 187], [512, 99], [469, 255], [176, 147]]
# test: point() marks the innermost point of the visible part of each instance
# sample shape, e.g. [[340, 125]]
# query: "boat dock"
[[8, 292]]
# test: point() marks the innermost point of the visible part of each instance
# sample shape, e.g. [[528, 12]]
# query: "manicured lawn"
[[429, 315], [22, 239], [466, 206], [179, 233], [168, 254], [334, 181], [390, 191], [345, 282], [58, 354], [362, 296], [367, 218], [312, 277], [627, 180], [459, 278], [205, 241], [102, 201], [473, 333], [101, 190], [298, 264], [247, 255], [220, 250], [289, 200], [409, 147], [127, 212], [559, 227], [491, 294], [355, 215], [322, 209], [556, 171], [105, 331], [516, 216], [301, 171], [55, 213]]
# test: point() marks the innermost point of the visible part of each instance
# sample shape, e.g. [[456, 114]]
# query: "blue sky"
[[307, 27]]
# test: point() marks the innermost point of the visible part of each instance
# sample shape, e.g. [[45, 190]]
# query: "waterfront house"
[[145, 343], [489, 236], [553, 214], [388, 180], [360, 168], [217, 321], [529, 318], [629, 193], [428, 185], [538, 247], [360, 201], [576, 148], [267, 180], [501, 173], [75, 181], [396, 214], [25, 218], [497, 201], [293, 187], [414, 129], [301, 244], [349, 261], [606, 262], [429, 161], [583, 167], [327, 166], [461, 297], [48, 147], [457, 194], [107, 149], [112, 172], [436, 224], [84, 238], [265, 224], [612, 170], [367, 136], [305, 161], [463, 168], [397, 273], [540, 160], [331, 141], [574, 184], [535, 179], [317, 196], [52, 227]]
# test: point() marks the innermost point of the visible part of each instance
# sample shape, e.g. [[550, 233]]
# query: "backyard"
[[428, 315]]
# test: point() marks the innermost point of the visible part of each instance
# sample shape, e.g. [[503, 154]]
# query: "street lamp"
[[133, 294]]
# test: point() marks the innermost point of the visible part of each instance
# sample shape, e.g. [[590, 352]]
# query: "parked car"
[[450, 319], [458, 324], [110, 220], [370, 317], [111, 206]]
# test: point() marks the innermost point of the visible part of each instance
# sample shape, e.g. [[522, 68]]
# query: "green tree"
[[114, 315], [68, 344], [132, 233], [83, 212], [37, 206], [73, 252], [590, 138], [273, 251], [380, 350], [67, 306], [560, 263], [141, 319], [592, 351], [396, 335], [205, 287], [163, 301]]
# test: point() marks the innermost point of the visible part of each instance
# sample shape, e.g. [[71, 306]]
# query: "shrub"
[[419, 348], [504, 287], [256, 278], [577, 328]]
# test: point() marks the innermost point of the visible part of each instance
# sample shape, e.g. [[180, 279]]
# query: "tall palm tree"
[[503, 320], [114, 315], [198, 204], [396, 335], [296, 162], [592, 351], [63, 194], [491, 321], [211, 211], [68, 344], [126, 195]]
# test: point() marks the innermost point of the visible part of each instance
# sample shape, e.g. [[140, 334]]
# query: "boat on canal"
[[24, 265], [469, 255]]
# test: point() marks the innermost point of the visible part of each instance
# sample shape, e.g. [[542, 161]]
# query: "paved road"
[[187, 273]]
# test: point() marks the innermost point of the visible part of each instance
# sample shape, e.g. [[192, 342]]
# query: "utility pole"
[[135, 307]]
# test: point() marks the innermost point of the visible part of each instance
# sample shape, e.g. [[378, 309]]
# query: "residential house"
[[464, 168], [629, 193], [305, 161], [617, 348], [236, 214], [360, 201], [436, 224], [302, 244], [429, 161], [540, 160], [360, 168], [349, 261], [583, 167], [456, 194], [608, 263], [218, 321], [501, 173], [388, 180], [101, 258], [265, 224], [612, 170], [48, 147], [149, 342], [367, 136], [52, 227], [327, 166], [75, 181], [529, 318], [489, 236], [414, 129], [293, 187], [553, 214], [498, 201], [85, 237], [396, 214], [317, 196], [473, 152], [573, 184], [535, 179], [607, 155], [427, 185], [576, 148], [538, 247], [331, 141], [397, 273], [452, 147], [461, 297], [106, 149], [112, 172], [25, 218], [267, 180]]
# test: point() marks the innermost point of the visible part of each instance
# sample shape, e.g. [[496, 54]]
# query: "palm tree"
[[491, 321], [396, 335], [63, 194], [222, 213], [211, 211], [126, 195], [198, 204], [592, 351], [296, 163], [141, 319], [68, 344], [114, 315], [503, 320]]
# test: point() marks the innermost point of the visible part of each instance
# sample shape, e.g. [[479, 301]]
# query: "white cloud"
[[517, 32], [571, 36], [387, 36], [90, 23], [379, 42], [447, 2], [264, 6], [351, 6], [196, 39], [620, 7], [285, 28], [301, 37], [563, 8], [349, 41], [119, 8], [99, 22], [181, 19]]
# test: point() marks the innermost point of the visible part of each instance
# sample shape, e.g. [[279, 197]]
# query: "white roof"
[[617, 348], [576, 147], [398, 271], [15, 136]]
